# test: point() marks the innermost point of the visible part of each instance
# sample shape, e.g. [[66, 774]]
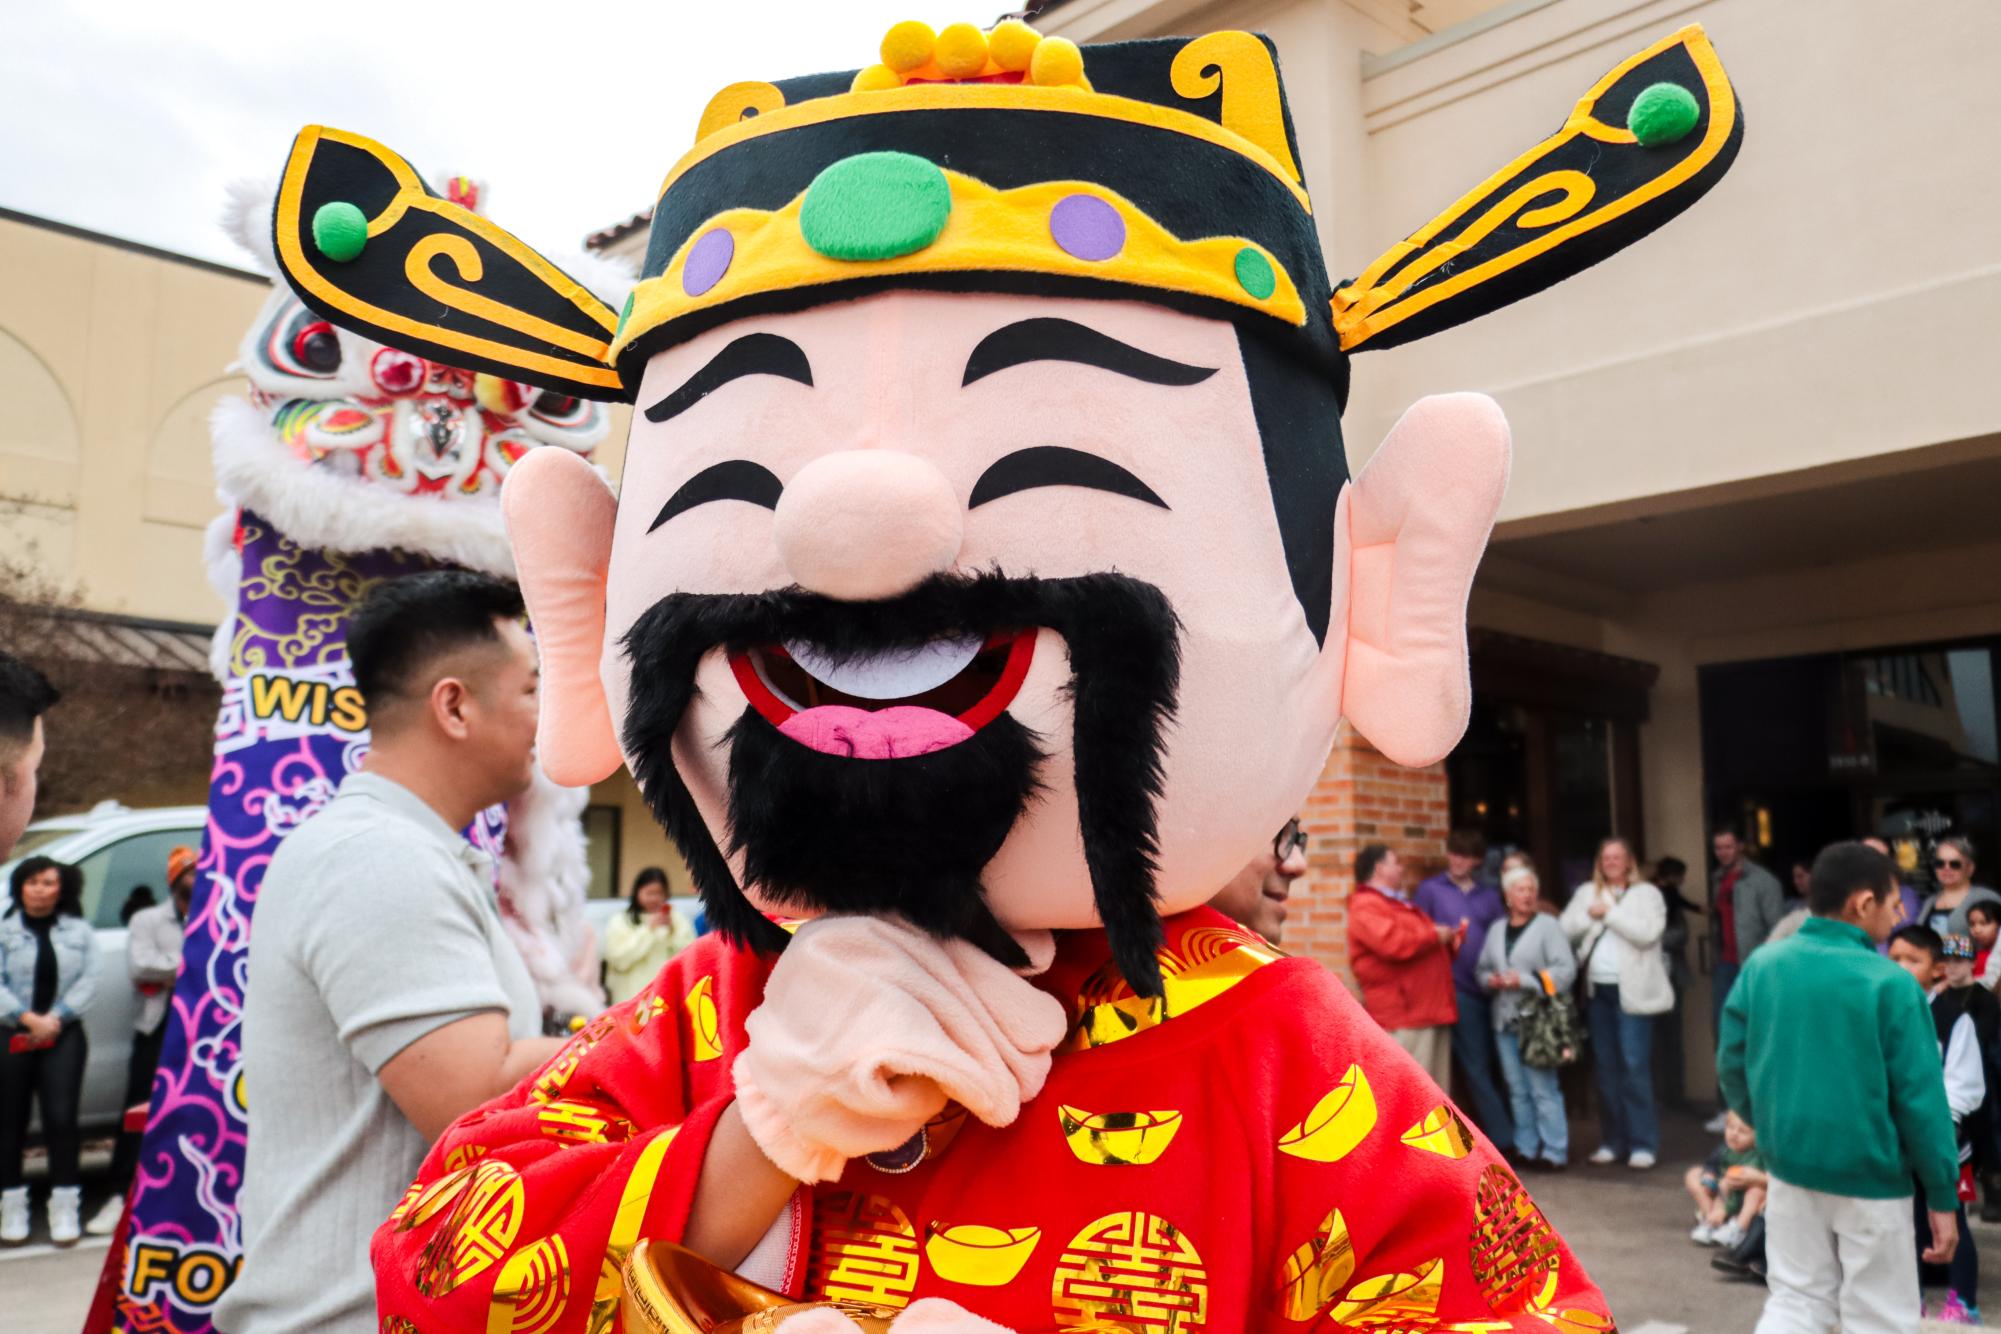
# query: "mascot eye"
[[316, 348], [559, 409]]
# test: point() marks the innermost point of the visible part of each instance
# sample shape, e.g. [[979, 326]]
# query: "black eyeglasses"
[[1947, 863], [1290, 839]]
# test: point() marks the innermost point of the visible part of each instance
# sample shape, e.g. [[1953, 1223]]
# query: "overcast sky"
[[131, 118]]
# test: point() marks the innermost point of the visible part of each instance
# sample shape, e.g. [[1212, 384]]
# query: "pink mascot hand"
[[870, 1025]]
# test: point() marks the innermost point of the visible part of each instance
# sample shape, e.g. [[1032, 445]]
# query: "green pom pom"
[[1663, 114], [624, 314], [339, 230], [875, 206], [1254, 273]]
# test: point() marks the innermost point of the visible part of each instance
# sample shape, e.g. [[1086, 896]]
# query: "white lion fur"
[[543, 879]]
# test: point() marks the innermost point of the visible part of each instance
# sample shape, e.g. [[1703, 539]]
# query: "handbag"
[[1548, 1028]]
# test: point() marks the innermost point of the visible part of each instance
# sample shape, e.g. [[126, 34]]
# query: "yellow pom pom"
[[1056, 62], [875, 79], [961, 51], [1012, 44], [908, 46], [497, 395]]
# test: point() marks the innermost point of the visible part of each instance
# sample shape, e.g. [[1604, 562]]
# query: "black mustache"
[[1124, 647]]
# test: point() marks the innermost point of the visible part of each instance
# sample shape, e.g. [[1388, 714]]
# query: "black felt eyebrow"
[[732, 479], [1054, 465], [1048, 339], [752, 354]]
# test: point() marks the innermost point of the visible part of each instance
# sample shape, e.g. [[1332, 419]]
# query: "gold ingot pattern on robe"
[[1338, 1122], [864, 1250], [1131, 1271], [1315, 1273], [705, 1040], [977, 1255], [1573, 1320], [1442, 1131], [1393, 1300], [1118, 1139], [1513, 1250], [531, 1291], [1211, 961]]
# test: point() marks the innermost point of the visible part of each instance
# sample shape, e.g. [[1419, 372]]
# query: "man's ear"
[[1414, 524], [559, 518]]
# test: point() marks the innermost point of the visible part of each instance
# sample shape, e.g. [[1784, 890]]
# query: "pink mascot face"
[[987, 553]]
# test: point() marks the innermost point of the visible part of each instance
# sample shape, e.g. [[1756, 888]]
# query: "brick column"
[[1361, 798]]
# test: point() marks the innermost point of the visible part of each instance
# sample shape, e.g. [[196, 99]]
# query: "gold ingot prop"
[[703, 1022], [1441, 1132], [1337, 1123], [1574, 1320], [671, 1290], [1393, 1299], [1315, 1273], [1118, 1139], [979, 1256]]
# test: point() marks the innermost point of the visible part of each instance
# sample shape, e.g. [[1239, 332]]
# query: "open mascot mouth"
[[926, 681], [887, 704]]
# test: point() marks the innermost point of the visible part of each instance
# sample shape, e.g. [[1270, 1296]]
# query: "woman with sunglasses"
[[1953, 867]]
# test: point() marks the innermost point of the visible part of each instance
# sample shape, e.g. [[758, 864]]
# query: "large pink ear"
[[1415, 522], [559, 518]]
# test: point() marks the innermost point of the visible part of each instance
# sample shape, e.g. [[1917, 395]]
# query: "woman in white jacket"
[[1615, 921]]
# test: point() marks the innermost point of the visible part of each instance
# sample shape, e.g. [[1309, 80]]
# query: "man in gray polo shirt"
[[384, 998]]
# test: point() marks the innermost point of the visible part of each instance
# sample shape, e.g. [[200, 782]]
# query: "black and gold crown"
[[1163, 170]]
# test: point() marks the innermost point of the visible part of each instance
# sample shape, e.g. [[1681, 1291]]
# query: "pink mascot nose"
[[868, 523]]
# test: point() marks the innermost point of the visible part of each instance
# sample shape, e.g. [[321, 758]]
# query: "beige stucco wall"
[[117, 357]]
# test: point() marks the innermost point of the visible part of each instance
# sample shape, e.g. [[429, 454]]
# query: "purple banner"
[[292, 727]]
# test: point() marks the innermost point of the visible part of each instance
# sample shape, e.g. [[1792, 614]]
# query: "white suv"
[[118, 849]]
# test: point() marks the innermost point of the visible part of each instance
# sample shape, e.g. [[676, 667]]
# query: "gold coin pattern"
[[531, 1291], [864, 1250], [1317, 1270], [1131, 1271], [481, 1226], [556, 1076], [1514, 1250], [572, 1122]]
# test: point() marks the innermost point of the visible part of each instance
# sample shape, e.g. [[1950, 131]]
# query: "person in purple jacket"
[[1456, 895]]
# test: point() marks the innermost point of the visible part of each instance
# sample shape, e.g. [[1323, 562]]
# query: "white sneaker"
[[14, 1216], [1729, 1236], [1602, 1156], [1701, 1234], [1714, 1125], [1641, 1160], [105, 1221], [65, 1203]]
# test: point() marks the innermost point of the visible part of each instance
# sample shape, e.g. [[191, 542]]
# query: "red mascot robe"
[[1250, 1153]]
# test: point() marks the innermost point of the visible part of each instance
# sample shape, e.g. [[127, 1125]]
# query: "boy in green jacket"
[[1828, 1049]]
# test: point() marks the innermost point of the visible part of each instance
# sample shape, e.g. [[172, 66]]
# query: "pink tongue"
[[886, 734]]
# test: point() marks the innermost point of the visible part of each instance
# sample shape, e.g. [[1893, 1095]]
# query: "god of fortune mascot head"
[[986, 552]]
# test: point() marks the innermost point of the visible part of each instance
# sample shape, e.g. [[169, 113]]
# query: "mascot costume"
[[986, 586], [350, 460]]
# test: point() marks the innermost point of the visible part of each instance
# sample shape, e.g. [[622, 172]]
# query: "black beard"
[[911, 836]]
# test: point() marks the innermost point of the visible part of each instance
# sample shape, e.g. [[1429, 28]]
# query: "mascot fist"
[[870, 1025]]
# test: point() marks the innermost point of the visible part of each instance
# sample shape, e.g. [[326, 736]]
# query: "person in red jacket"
[[1403, 960]]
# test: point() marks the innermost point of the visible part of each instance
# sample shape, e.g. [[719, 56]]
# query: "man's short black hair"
[[1986, 908], [405, 625], [1368, 859], [25, 695], [1466, 843], [1722, 827], [1670, 866], [1920, 937], [1843, 868]]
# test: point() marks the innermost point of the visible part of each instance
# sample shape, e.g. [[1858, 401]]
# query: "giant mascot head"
[[986, 551]]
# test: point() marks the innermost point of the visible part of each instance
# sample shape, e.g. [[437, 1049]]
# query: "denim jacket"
[[76, 967]]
